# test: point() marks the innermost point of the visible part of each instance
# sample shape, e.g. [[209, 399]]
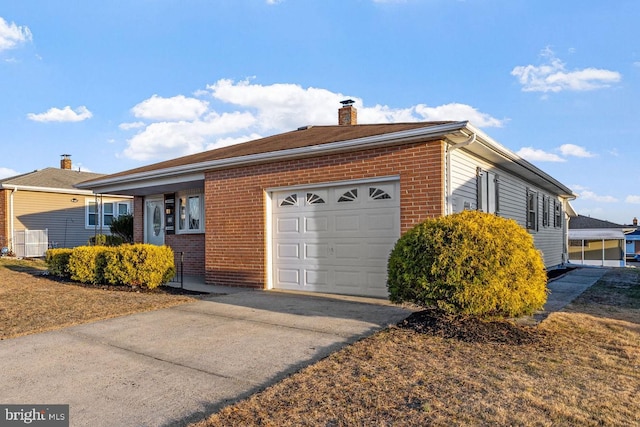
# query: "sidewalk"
[[567, 287]]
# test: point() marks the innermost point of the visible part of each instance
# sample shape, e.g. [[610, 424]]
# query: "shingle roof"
[[582, 222], [50, 178], [303, 137]]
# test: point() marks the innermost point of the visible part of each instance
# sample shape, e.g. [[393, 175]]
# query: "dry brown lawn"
[[31, 302], [579, 367]]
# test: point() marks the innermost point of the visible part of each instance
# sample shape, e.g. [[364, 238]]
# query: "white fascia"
[[46, 189]]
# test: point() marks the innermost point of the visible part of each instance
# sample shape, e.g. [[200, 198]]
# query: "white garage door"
[[335, 239]]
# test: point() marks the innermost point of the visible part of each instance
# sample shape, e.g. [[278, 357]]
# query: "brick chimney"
[[65, 161], [347, 115]]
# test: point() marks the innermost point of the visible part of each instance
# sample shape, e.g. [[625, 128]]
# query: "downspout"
[[449, 149], [11, 224]]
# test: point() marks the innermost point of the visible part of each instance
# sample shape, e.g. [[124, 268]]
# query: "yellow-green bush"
[[139, 265], [58, 261], [87, 263], [133, 265], [105, 240], [468, 263]]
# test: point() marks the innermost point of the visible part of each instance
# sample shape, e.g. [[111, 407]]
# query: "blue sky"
[[119, 84]]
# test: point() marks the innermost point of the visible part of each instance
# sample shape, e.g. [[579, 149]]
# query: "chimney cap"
[[347, 102]]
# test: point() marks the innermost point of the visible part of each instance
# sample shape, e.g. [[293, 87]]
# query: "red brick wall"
[[138, 219], [193, 247], [235, 201]]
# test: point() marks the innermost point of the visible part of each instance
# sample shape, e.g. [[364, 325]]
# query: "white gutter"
[[514, 158], [366, 142], [46, 189], [448, 191]]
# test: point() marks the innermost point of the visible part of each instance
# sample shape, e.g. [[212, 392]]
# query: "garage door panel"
[[316, 224], [348, 251], [347, 222], [384, 222], [317, 279], [348, 278], [335, 240], [288, 276], [316, 251], [379, 251], [288, 225]]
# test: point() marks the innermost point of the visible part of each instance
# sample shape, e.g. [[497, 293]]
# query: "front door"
[[154, 221]]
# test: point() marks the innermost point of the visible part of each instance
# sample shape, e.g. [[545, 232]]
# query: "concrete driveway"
[[176, 365]]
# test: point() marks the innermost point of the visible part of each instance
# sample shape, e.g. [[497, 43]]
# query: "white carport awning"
[[599, 234]]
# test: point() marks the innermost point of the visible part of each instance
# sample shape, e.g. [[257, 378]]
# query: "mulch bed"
[[470, 329], [163, 289]]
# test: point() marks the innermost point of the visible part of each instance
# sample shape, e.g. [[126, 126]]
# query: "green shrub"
[[105, 240], [87, 263], [468, 263], [122, 227], [58, 261], [139, 265]]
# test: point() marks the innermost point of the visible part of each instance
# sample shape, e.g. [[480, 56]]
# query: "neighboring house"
[[633, 241], [597, 242], [44, 205], [320, 208]]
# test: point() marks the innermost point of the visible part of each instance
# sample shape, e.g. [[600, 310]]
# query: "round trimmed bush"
[[469, 263]]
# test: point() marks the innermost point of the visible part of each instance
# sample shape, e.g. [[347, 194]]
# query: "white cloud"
[[574, 150], [456, 111], [131, 125], [11, 35], [553, 77], [164, 140], [175, 108], [632, 199], [585, 193], [537, 155], [180, 125], [7, 172], [224, 142], [62, 115]]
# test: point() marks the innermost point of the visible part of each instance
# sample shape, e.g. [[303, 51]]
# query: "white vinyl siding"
[[512, 201], [63, 215]]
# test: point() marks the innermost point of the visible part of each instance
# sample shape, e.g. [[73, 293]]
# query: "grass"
[[579, 367], [31, 302]]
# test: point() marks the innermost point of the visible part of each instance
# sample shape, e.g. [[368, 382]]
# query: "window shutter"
[[497, 195], [479, 187]]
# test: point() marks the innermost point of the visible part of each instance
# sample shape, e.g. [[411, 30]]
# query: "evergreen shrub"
[[132, 265], [468, 263], [58, 261], [87, 264], [139, 265]]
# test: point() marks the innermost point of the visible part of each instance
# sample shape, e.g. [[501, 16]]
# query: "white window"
[[546, 215], [488, 191], [532, 210], [190, 213], [101, 214], [557, 214]]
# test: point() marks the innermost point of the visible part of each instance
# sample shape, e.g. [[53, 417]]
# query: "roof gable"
[[53, 178], [582, 222]]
